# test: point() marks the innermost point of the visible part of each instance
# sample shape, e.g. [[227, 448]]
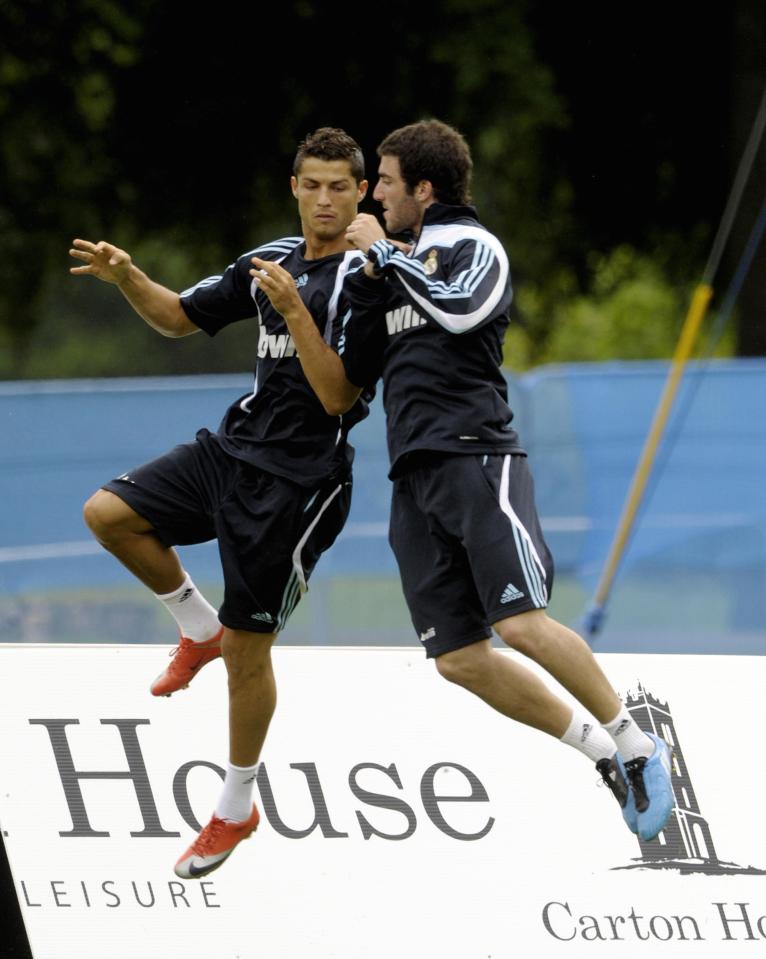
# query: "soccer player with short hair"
[[272, 485], [464, 525]]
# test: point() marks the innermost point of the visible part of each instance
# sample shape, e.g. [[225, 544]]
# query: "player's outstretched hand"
[[101, 260]]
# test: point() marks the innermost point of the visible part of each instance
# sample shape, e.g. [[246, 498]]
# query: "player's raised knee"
[[93, 514], [104, 513]]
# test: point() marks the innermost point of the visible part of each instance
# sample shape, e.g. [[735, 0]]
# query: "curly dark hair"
[[331, 143], [434, 151]]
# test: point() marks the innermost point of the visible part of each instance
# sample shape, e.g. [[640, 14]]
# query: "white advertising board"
[[401, 817]]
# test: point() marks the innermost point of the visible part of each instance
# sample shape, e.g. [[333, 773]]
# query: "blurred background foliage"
[[604, 152]]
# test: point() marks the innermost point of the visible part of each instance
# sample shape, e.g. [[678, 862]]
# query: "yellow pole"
[[697, 309]]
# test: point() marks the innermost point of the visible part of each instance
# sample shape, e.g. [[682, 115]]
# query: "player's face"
[[328, 197], [401, 210]]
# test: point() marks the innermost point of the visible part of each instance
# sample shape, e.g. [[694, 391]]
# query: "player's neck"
[[316, 247]]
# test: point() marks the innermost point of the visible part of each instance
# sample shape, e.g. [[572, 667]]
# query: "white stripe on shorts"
[[297, 565], [290, 599], [534, 571]]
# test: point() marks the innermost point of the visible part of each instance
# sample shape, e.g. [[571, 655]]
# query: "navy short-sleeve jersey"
[[280, 425]]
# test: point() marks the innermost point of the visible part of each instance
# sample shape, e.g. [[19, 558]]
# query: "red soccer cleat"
[[188, 658], [214, 845]]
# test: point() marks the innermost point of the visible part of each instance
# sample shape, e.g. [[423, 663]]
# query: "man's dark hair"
[[331, 143], [432, 150]]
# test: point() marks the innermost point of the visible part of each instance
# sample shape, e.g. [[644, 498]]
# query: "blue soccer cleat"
[[613, 774], [652, 790]]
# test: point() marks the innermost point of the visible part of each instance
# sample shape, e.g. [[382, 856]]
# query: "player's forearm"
[[321, 364], [155, 304]]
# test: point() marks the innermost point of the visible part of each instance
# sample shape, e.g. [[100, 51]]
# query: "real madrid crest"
[[431, 263]]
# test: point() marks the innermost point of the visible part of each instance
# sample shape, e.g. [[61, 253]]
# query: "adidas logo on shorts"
[[510, 593], [262, 617]]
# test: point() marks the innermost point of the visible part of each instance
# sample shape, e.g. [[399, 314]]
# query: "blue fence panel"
[[701, 538], [701, 531]]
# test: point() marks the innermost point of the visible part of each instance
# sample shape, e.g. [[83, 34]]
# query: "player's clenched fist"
[[102, 260], [363, 231]]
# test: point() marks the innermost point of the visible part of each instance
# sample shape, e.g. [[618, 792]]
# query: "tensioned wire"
[[594, 614], [738, 188]]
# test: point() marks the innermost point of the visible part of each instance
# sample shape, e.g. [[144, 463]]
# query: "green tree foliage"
[[183, 156], [57, 104], [505, 100], [177, 144], [630, 310]]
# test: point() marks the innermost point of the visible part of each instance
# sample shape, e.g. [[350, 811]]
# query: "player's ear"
[[294, 186], [362, 189], [424, 191]]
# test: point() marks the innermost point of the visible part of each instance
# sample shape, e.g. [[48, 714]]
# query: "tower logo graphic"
[[686, 842]]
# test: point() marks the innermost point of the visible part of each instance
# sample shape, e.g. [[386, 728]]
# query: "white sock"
[[236, 801], [196, 618], [630, 739], [587, 736]]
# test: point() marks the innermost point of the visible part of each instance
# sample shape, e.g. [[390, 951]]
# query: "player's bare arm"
[[321, 364], [155, 304]]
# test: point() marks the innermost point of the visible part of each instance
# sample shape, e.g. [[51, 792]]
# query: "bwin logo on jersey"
[[275, 344], [405, 318]]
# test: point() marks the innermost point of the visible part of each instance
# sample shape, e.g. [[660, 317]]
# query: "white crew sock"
[[236, 800], [630, 739], [587, 736], [196, 618]]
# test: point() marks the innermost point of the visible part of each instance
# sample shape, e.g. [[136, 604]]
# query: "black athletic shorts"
[[270, 531], [465, 533]]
